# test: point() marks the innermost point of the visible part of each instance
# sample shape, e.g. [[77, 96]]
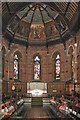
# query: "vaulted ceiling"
[[59, 12]]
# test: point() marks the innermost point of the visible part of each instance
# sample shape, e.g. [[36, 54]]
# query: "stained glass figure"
[[58, 66], [37, 68], [16, 67]]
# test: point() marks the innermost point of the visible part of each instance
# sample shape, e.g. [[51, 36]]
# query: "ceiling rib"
[[32, 20], [42, 16], [27, 12], [54, 4], [52, 19]]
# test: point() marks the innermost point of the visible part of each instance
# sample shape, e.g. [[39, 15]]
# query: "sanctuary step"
[[37, 101]]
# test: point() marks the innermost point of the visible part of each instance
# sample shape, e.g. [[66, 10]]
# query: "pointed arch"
[[57, 65], [3, 61], [37, 54], [71, 54], [18, 53], [70, 49], [36, 67], [16, 67]]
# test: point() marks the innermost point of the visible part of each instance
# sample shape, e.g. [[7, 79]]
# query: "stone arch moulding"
[[55, 53], [54, 64], [18, 53], [34, 56], [4, 48], [69, 49]]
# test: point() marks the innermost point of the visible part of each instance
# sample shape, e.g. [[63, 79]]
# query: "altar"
[[37, 89]]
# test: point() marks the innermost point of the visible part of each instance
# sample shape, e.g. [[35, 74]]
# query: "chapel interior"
[[40, 60]]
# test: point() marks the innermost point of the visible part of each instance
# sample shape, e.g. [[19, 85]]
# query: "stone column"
[[47, 58], [75, 62], [65, 68], [7, 69], [75, 66]]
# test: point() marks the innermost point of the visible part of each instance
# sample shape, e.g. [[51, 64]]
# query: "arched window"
[[72, 65], [57, 67], [70, 52], [37, 68], [16, 66], [3, 61]]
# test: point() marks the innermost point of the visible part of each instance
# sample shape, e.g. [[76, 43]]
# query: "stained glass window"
[[16, 66], [71, 60], [57, 67], [36, 68], [72, 64], [3, 61]]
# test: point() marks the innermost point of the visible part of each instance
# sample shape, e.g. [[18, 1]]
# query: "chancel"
[[40, 60]]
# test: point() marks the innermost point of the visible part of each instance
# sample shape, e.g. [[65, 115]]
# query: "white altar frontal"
[[37, 89]]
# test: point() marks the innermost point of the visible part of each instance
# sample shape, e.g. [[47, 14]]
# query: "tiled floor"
[[38, 112], [30, 112]]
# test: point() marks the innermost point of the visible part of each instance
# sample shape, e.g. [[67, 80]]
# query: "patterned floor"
[[38, 112]]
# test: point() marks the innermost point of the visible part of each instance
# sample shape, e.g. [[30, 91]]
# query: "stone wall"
[[47, 61]]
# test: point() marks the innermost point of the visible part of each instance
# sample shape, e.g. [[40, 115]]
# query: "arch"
[[3, 49], [55, 53], [57, 65], [36, 67], [37, 54], [71, 54], [16, 64], [18, 53], [3, 61], [70, 49]]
